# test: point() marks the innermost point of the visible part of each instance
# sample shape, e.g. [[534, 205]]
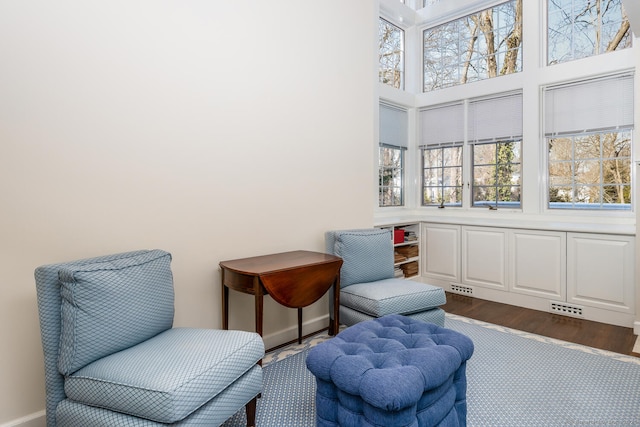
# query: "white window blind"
[[495, 119], [596, 105], [442, 125], [394, 126]]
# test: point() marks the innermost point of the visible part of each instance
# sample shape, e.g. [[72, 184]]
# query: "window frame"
[[574, 185], [491, 204], [402, 54], [575, 109], [459, 20], [402, 175], [393, 135], [442, 167], [600, 50]]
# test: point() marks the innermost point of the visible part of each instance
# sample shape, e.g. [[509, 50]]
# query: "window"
[[393, 144], [471, 152], [581, 28], [477, 47], [588, 128], [441, 139], [495, 133], [496, 174], [391, 54], [391, 176], [591, 171], [442, 175]]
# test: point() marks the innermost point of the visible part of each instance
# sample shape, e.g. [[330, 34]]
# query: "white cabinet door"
[[600, 271], [484, 259], [441, 252], [537, 261]]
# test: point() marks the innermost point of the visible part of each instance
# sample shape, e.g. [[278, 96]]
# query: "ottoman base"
[[391, 371]]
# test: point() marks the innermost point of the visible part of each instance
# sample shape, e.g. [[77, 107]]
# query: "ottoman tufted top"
[[390, 361]]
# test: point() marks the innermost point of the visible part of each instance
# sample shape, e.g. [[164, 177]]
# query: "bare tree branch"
[[470, 49], [620, 35]]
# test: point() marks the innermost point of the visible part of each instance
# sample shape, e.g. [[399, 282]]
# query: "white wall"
[[633, 13], [214, 130]]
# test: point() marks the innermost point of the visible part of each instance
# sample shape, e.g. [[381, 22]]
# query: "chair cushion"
[[367, 255], [392, 296], [350, 317], [110, 306], [169, 376]]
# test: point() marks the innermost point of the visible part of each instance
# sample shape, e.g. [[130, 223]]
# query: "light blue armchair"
[[368, 288], [113, 358]]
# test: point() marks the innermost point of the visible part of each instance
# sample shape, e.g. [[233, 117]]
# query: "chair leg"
[[251, 412]]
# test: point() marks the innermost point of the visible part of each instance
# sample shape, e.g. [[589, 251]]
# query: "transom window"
[[391, 54], [484, 45], [581, 28]]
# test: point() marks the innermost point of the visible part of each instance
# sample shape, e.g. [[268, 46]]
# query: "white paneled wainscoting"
[[581, 274]]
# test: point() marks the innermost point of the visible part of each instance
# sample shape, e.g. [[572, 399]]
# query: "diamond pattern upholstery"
[[102, 313], [391, 296], [113, 358], [361, 251], [368, 288]]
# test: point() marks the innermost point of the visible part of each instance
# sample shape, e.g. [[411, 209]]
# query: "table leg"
[[299, 325], [225, 304], [334, 324], [257, 287]]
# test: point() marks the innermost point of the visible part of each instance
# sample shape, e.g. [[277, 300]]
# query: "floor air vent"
[[462, 290], [566, 309]]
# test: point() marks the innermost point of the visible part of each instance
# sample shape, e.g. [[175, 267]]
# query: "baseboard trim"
[[37, 419], [291, 333]]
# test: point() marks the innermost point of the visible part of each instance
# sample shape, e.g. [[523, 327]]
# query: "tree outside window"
[[497, 174], [442, 176], [481, 46], [588, 130], [590, 171], [391, 176], [391, 54], [582, 28]]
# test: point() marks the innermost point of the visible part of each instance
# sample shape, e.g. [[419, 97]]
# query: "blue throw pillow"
[[111, 306], [367, 255]]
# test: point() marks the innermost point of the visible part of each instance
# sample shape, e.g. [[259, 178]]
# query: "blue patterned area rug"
[[515, 379]]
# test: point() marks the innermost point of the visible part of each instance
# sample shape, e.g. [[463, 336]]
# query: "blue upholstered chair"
[[368, 288], [113, 358]]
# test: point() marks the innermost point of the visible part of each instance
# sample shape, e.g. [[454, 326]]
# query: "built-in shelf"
[[406, 243]]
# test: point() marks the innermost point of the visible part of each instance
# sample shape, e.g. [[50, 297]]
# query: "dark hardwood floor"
[[580, 331], [593, 334]]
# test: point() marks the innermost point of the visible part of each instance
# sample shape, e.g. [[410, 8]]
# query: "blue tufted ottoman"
[[391, 371]]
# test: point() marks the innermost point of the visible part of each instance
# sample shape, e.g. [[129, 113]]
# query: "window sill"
[[623, 226]]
